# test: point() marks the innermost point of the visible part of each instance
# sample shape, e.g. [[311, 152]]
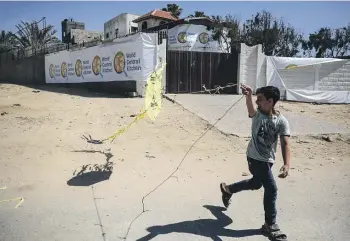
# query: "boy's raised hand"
[[246, 90]]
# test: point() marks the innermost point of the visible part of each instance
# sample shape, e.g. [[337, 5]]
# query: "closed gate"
[[188, 71]]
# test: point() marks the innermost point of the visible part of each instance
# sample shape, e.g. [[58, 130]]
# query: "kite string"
[[98, 215], [217, 89], [177, 168]]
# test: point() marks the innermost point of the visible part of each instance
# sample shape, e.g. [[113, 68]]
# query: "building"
[[67, 26], [153, 19], [79, 36], [120, 25], [74, 32], [204, 21]]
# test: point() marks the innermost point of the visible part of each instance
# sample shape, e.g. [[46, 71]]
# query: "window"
[[161, 23], [144, 25], [133, 29], [107, 35]]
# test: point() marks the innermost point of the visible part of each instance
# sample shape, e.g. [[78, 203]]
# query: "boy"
[[267, 125]]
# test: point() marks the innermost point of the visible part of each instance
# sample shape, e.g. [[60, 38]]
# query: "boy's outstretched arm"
[[247, 91], [286, 156]]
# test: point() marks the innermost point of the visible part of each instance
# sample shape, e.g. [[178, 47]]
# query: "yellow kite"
[[152, 106]]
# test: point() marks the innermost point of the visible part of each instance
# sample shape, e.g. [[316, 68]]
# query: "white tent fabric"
[[320, 80], [335, 97]]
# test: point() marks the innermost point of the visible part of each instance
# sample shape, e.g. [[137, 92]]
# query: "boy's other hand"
[[284, 171], [246, 90]]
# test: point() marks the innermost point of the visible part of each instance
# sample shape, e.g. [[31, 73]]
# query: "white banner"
[[299, 73], [192, 37], [309, 79], [133, 59]]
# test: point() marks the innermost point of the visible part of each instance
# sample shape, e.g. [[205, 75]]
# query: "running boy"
[[267, 125]]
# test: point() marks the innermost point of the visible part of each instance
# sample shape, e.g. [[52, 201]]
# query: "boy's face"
[[263, 104]]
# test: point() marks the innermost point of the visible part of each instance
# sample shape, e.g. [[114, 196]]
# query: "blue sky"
[[306, 17]]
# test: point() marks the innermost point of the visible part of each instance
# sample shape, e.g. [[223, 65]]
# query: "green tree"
[[226, 31], [276, 37], [29, 35], [174, 9], [289, 41], [6, 41], [328, 43], [197, 14]]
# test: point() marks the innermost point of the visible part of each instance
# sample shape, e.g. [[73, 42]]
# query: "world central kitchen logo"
[[78, 68], [119, 62], [96, 65], [56, 70], [102, 65], [52, 71], [183, 37], [64, 69], [129, 61]]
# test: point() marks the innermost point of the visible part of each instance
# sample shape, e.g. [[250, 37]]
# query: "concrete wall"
[[31, 71], [252, 67], [26, 71]]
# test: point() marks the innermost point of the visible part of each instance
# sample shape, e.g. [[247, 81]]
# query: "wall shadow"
[[115, 89], [210, 228]]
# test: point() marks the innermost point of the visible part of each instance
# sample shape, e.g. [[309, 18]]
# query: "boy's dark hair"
[[270, 92]]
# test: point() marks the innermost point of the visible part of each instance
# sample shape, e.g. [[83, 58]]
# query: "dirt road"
[[41, 152]]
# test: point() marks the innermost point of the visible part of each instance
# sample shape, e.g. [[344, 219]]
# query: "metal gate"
[[188, 71]]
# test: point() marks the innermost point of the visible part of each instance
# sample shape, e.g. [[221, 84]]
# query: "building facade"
[[120, 25], [153, 19], [67, 26], [74, 32], [80, 36]]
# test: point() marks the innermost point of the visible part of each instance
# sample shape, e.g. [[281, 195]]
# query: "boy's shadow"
[[211, 228]]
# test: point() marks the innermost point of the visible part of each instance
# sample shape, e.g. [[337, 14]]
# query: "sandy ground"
[[337, 114], [41, 152]]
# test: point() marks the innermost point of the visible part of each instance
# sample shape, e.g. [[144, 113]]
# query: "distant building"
[[79, 36], [67, 26], [153, 19], [120, 25], [74, 32]]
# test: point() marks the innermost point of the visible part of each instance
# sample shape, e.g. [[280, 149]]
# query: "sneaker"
[[226, 196], [273, 232]]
